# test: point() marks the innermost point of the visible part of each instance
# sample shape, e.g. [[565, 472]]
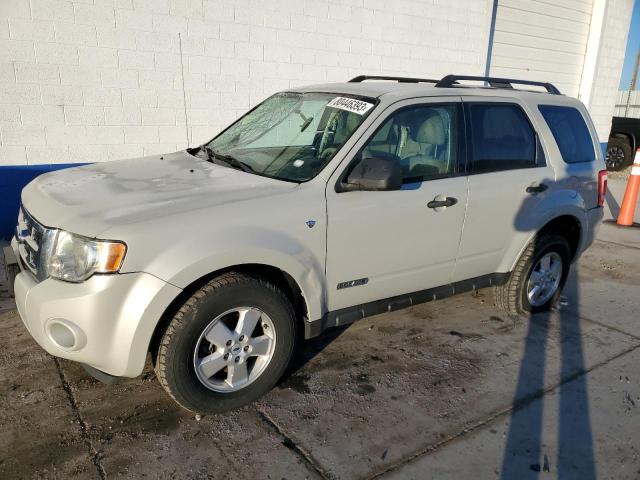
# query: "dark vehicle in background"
[[623, 141]]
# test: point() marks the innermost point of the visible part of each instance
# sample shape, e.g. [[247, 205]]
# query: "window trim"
[[540, 159], [461, 150]]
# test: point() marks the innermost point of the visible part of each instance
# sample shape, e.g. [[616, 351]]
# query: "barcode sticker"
[[350, 105]]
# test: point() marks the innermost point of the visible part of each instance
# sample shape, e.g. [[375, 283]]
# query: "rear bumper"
[[594, 220], [105, 322]]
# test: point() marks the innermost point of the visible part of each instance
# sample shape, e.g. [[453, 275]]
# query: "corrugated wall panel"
[[540, 40], [610, 60]]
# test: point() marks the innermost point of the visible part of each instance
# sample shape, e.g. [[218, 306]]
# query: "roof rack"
[[361, 78], [494, 82]]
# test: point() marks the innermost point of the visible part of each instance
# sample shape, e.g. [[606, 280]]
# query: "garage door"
[[542, 40]]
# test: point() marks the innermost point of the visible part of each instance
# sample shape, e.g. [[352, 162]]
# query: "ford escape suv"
[[322, 205]]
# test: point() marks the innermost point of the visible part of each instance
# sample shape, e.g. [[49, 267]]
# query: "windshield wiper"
[[225, 159], [306, 120]]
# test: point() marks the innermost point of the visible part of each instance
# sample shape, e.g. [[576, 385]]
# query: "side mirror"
[[374, 174]]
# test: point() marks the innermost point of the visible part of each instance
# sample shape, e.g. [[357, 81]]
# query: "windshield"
[[292, 136]]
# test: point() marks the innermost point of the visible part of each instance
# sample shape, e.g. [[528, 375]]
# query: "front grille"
[[33, 240]]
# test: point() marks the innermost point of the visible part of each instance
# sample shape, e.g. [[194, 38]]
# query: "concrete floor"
[[450, 389]]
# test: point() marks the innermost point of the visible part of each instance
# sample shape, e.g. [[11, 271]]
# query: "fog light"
[[65, 334]]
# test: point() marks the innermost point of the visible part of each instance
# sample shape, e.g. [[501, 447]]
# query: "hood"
[[90, 199]]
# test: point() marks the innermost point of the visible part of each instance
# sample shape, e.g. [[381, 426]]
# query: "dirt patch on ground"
[[622, 174], [354, 402], [607, 262]]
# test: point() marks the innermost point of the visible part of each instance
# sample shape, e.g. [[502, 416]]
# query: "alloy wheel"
[[544, 279], [234, 349], [614, 157]]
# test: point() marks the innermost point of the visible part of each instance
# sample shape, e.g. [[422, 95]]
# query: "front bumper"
[[105, 322], [11, 267]]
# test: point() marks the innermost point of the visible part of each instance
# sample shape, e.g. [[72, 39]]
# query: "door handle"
[[441, 201], [537, 188]]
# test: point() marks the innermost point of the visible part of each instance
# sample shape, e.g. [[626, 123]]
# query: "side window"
[[570, 132], [422, 139], [501, 138]]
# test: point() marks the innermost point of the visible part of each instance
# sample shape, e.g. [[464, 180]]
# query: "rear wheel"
[[227, 345], [618, 156], [537, 280]]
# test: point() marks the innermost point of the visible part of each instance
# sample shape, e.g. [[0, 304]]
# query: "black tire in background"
[[619, 154], [174, 361], [512, 296]]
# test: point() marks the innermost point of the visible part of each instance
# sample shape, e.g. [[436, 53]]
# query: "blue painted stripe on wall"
[[13, 178]]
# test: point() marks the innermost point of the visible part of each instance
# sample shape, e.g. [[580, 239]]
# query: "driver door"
[[386, 243]]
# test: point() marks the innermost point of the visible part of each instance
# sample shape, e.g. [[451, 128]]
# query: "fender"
[[556, 204], [286, 230], [247, 245]]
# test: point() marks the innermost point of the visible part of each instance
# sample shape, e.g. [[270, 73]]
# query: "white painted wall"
[[541, 40], [547, 41], [610, 59], [632, 98], [94, 80]]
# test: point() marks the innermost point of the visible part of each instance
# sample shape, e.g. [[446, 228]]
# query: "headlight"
[[74, 258]]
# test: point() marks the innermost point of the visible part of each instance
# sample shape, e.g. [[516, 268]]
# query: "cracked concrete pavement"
[[449, 389]]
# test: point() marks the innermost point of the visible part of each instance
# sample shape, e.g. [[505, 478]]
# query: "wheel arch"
[[569, 227], [626, 136], [513, 296], [567, 224], [279, 277]]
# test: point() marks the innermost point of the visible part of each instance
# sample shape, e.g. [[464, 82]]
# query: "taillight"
[[602, 186]]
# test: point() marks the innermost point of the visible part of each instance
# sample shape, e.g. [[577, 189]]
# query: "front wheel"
[[536, 282], [228, 344]]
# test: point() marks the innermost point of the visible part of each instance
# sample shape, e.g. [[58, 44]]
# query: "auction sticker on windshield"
[[350, 105]]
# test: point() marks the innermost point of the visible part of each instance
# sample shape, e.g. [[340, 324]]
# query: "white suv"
[[320, 206]]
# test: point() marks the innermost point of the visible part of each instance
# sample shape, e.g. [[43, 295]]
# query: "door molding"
[[346, 316]]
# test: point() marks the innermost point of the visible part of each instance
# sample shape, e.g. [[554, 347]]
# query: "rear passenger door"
[[508, 178]]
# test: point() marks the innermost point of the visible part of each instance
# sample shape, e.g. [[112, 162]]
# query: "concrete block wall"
[[96, 80]]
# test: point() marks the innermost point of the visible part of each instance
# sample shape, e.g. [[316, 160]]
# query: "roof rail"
[[361, 78], [495, 82]]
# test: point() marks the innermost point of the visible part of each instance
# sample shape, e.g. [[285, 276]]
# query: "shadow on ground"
[[524, 455], [388, 394]]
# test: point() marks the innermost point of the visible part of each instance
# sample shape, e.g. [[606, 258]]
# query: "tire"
[[512, 297], [177, 356], [618, 155]]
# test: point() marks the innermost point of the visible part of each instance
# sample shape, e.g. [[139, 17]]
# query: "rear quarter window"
[[570, 132]]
